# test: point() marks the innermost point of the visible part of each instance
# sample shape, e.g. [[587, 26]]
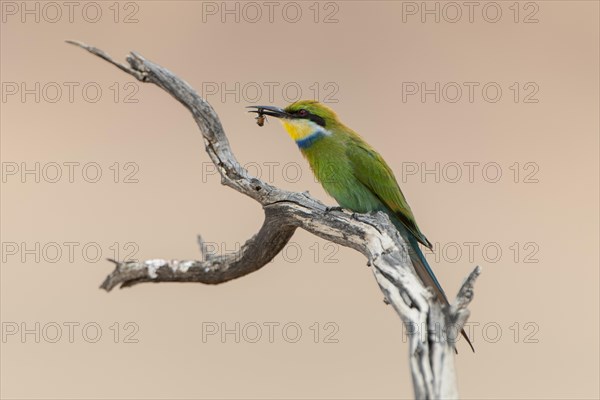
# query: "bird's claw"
[[336, 208]]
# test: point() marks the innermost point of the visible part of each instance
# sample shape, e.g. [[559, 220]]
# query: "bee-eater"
[[354, 174]]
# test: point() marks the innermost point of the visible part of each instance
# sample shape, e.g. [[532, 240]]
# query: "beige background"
[[543, 299]]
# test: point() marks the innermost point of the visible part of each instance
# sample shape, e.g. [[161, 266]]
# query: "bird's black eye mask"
[[305, 114]]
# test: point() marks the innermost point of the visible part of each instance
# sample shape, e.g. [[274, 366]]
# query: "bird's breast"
[[333, 170]]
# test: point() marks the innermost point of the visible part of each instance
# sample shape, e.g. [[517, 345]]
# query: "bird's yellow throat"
[[299, 129]]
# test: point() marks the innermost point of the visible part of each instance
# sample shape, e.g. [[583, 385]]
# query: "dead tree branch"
[[433, 331]]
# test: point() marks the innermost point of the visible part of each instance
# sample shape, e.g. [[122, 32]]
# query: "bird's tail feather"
[[426, 274]]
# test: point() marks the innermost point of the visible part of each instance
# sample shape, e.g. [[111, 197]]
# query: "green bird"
[[354, 174]]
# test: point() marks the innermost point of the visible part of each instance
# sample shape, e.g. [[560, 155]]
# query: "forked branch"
[[373, 235]]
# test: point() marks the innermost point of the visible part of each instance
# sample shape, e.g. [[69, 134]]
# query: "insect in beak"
[[260, 119], [263, 111]]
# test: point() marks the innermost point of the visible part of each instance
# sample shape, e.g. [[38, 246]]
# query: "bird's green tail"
[[423, 269]]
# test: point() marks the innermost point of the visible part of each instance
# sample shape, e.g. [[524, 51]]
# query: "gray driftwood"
[[434, 330]]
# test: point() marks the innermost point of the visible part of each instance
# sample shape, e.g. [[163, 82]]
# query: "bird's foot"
[[336, 208]]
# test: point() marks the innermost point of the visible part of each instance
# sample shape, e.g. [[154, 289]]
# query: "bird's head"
[[302, 118]]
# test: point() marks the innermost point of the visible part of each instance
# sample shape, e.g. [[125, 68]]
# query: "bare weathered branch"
[[373, 235], [212, 269]]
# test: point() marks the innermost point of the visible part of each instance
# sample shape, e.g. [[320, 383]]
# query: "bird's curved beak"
[[270, 111]]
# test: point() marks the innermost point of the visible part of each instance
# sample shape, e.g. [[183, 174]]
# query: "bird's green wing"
[[373, 172]]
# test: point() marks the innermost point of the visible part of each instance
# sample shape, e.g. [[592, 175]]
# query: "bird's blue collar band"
[[311, 139]]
